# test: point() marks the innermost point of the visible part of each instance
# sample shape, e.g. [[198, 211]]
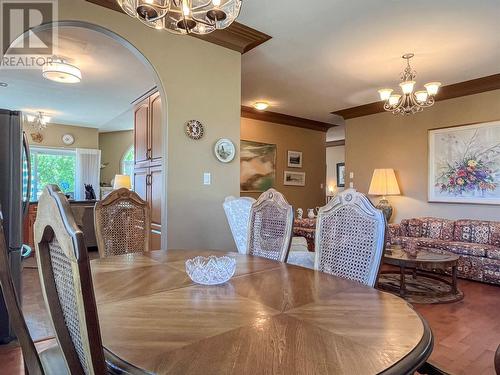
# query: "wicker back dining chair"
[[350, 238], [238, 213], [270, 226], [66, 283], [122, 223], [49, 361]]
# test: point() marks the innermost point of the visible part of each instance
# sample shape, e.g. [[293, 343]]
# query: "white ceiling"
[[328, 55], [112, 78]]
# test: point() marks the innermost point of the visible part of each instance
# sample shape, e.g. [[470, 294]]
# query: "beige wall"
[[387, 141], [312, 145], [334, 155], [52, 136], [206, 86], [113, 146]]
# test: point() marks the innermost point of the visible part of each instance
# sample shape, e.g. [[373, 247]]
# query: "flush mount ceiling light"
[[260, 106], [183, 16], [4, 84], [409, 102], [60, 71], [38, 121]]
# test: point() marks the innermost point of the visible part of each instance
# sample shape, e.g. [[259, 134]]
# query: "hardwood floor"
[[466, 333]]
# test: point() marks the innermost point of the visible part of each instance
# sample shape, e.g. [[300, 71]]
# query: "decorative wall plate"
[[68, 139], [224, 150], [194, 129]]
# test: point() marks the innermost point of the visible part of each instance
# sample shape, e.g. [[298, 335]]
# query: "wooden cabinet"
[[148, 165], [141, 130]]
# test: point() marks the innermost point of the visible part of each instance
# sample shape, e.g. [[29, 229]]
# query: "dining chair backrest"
[[66, 283], [350, 238], [122, 223], [30, 355], [270, 226], [238, 213]]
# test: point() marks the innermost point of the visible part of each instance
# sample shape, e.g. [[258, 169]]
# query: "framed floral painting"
[[464, 164]]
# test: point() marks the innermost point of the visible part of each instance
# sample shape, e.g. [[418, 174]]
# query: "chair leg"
[[429, 369]]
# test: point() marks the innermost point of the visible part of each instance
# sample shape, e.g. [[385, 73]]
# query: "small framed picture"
[[294, 159], [341, 174], [294, 178]]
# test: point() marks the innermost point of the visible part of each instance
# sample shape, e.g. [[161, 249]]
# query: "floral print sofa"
[[476, 242]]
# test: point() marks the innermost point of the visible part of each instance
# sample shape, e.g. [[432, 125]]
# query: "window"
[[127, 165], [52, 166]]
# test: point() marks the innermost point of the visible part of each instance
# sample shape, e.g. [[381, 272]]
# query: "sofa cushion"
[[493, 253], [437, 228], [455, 247], [477, 231]]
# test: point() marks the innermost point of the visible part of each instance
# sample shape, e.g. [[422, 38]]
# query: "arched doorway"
[[159, 87]]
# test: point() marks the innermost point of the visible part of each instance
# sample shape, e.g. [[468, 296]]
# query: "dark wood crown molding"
[[474, 86], [236, 37], [280, 118], [340, 142]]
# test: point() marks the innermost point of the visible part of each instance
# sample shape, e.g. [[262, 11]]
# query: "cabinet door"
[[141, 121], [155, 194], [140, 182], [156, 135]]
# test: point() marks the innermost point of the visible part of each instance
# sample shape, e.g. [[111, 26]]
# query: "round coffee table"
[[422, 261]]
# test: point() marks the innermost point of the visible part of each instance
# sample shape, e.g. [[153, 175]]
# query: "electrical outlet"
[[207, 178], [351, 185]]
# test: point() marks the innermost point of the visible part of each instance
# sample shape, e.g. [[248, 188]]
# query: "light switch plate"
[[351, 175], [207, 178]]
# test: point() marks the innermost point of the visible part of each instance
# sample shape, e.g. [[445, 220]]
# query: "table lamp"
[[122, 181], [384, 183]]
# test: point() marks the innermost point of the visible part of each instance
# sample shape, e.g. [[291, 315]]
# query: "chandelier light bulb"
[[432, 87], [394, 99], [421, 96], [407, 87], [185, 8], [385, 93], [216, 3]]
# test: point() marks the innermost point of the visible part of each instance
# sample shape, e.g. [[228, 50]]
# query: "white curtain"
[[88, 168]]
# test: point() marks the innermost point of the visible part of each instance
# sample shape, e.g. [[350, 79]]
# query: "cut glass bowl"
[[210, 270]]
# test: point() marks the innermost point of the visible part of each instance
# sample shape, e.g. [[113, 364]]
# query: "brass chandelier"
[[184, 16], [409, 102]]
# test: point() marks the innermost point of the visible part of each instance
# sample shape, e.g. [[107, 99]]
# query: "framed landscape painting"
[[294, 178], [464, 164], [257, 166]]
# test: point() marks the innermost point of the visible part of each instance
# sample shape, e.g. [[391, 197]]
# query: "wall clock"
[[68, 139], [194, 129], [224, 150]]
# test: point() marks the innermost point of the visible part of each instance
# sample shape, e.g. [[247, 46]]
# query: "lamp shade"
[[122, 181], [384, 182]]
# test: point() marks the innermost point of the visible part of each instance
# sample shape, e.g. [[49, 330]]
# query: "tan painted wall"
[[113, 145], [312, 145], [206, 86], [387, 141], [334, 155], [52, 136]]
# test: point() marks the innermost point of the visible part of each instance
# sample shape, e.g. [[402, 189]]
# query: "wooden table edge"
[[418, 356]]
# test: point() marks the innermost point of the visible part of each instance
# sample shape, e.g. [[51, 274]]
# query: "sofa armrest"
[[393, 231]]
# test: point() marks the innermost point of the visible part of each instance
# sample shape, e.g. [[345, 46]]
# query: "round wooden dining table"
[[270, 318]]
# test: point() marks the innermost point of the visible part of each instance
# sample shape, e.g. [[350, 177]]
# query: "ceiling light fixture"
[[409, 102], [38, 121], [260, 106], [60, 71], [4, 84], [183, 16]]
